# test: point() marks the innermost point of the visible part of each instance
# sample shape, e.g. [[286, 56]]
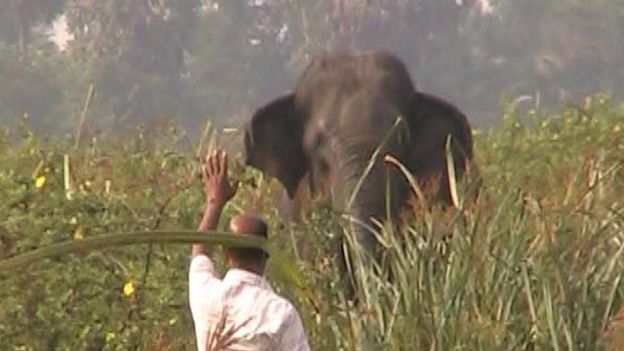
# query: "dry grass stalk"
[[222, 336]]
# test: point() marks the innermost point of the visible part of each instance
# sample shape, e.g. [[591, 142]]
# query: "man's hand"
[[216, 185], [218, 192]]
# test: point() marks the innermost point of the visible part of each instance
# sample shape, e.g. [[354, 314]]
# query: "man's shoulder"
[[288, 311], [273, 298], [283, 301], [273, 303]]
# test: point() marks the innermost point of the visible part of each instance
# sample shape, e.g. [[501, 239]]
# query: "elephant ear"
[[273, 142], [448, 118], [431, 121]]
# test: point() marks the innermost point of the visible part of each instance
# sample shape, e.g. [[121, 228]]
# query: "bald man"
[[240, 311]]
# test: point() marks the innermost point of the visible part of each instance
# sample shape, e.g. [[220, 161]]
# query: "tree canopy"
[[190, 60]]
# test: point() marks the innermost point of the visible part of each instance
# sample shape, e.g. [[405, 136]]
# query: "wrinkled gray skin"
[[343, 107]]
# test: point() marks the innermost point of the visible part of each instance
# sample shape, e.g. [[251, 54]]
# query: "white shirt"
[[244, 305]]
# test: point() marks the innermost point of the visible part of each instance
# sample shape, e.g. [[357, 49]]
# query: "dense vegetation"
[[535, 263]]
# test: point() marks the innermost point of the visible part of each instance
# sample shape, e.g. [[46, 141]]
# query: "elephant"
[[330, 133]]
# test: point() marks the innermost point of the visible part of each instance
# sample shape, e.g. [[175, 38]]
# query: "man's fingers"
[[212, 163], [204, 170], [223, 163], [216, 164], [208, 154]]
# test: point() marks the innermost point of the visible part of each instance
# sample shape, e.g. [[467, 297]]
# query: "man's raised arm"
[[218, 192]]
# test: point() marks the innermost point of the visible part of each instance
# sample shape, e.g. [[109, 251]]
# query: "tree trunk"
[[21, 22]]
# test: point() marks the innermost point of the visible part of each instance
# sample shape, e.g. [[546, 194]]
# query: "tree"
[[30, 72], [135, 53], [18, 19]]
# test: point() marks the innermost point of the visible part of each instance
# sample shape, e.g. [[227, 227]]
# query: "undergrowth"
[[534, 262]]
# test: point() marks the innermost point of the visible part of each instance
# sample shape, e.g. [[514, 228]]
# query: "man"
[[240, 311]]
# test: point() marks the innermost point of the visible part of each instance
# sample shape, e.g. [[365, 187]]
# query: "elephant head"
[[343, 109]]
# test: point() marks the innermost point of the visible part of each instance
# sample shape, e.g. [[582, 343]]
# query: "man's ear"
[[273, 142], [226, 255]]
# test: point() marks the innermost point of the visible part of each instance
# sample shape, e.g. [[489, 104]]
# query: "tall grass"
[[534, 262]]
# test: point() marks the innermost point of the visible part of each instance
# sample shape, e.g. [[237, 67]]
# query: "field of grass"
[[535, 263]]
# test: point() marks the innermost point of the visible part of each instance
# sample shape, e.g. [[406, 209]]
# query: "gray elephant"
[[344, 108]]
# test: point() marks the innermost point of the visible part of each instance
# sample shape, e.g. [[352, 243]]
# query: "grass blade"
[[101, 242]]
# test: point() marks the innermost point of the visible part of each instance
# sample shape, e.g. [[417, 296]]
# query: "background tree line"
[[189, 60]]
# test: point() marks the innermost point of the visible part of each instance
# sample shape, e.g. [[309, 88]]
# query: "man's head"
[[251, 259]]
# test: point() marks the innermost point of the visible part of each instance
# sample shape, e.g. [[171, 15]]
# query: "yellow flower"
[[173, 321], [128, 288], [73, 220], [40, 181], [79, 233], [110, 336]]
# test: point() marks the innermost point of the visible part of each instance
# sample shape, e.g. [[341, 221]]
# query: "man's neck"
[[255, 270]]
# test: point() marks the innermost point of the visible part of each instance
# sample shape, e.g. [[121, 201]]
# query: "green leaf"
[[11, 265]]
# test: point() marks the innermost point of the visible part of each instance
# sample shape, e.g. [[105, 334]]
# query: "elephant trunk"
[[375, 194]]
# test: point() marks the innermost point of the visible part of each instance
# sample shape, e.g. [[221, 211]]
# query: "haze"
[[191, 61]]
